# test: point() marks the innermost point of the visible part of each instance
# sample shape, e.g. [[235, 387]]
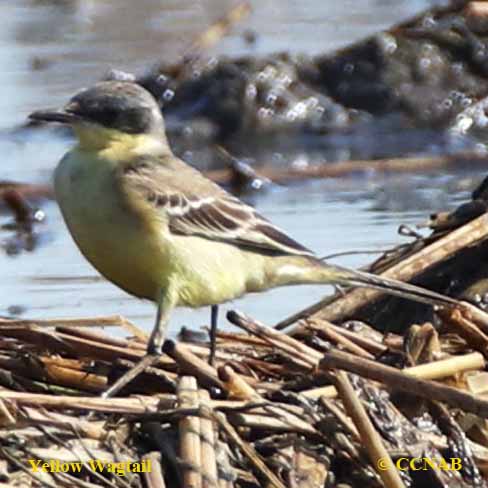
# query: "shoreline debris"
[[324, 405]]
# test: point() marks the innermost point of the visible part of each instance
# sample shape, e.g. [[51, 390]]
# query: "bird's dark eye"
[[106, 116], [128, 120]]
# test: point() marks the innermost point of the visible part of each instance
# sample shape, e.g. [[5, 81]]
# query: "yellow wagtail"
[[159, 229]]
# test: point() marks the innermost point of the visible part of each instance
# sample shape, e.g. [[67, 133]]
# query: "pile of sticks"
[[327, 402]]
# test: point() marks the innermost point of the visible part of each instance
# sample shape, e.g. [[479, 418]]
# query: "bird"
[[159, 229]]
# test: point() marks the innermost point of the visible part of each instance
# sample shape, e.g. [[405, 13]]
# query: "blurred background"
[[51, 49]]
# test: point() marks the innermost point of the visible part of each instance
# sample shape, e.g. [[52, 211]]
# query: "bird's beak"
[[65, 115]]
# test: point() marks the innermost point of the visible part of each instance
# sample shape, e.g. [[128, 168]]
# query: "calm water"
[[49, 49]]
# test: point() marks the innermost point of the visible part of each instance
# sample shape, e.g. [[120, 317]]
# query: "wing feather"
[[203, 209]]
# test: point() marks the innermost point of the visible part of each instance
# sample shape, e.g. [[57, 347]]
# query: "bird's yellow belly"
[[133, 265], [222, 272], [113, 239]]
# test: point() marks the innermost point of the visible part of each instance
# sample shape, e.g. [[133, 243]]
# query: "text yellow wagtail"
[[159, 229]]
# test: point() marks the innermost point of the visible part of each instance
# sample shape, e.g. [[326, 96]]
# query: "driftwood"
[[345, 168], [379, 456]]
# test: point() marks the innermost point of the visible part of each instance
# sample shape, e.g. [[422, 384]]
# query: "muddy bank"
[[417, 88]]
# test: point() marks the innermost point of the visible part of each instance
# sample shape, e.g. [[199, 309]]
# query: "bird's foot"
[[146, 362], [155, 349], [155, 344]]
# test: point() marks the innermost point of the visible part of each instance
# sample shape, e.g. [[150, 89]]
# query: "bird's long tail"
[[349, 277]]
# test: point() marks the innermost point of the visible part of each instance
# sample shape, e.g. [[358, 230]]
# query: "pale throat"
[[116, 144]]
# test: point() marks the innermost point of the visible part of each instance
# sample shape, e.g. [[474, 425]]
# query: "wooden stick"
[[133, 405], [74, 364], [447, 367], [203, 351], [6, 418], [475, 337], [100, 336], [208, 439], [235, 385], [48, 370], [322, 391], [370, 345], [410, 165], [339, 414], [36, 416], [476, 10], [44, 337], [12, 381], [130, 405], [277, 420], [378, 455], [297, 350], [110, 321], [189, 432], [192, 364], [260, 407], [327, 332], [262, 470], [154, 478], [435, 370], [400, 380], [475, 315], [81, 346]]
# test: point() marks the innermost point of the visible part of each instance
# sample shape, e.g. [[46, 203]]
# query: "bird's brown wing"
[[195, 206]]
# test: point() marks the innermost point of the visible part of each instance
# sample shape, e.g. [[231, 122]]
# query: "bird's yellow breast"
[[128, 240], [116, 240]]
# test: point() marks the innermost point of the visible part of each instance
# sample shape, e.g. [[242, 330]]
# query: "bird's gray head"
[[122, 106]]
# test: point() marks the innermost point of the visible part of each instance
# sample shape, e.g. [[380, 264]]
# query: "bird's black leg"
[[214, 316]]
